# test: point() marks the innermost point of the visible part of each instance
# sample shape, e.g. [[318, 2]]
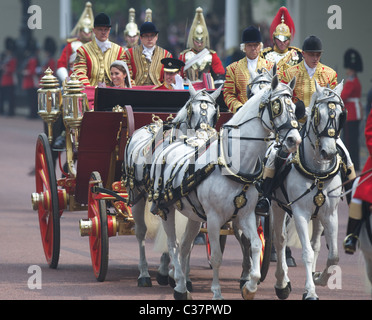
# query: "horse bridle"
[[330, 130], [203, 120]]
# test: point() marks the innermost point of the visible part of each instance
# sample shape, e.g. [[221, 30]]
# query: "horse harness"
[[319, 178], [193, 178]]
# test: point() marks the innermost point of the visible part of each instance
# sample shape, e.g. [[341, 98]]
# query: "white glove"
[[179, 83]]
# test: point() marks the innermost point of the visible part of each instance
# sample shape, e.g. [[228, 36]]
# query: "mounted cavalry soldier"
[[306, 73], [238, 74], [131, 31], [82, 33], [199, 58], [282, 31]]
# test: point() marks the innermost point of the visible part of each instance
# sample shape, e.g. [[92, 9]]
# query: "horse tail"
[[161, 244]]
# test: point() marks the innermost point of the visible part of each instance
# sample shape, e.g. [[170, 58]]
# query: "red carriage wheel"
[[98, 238], [47, 206]]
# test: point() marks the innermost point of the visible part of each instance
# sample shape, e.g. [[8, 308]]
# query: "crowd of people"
[[97, 61]]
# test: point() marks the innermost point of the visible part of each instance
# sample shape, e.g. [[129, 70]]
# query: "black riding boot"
[[263, 204], [352, 231]]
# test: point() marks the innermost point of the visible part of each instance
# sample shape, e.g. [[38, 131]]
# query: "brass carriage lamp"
[[75, 103], [49, 100]]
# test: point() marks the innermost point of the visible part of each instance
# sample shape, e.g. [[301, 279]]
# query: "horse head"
[[259, 80], [327, 116], [201, 110], [281, 113]]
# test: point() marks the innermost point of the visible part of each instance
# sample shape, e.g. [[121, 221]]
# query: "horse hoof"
[[246, 294], [144, 282], [189, 286], [242, 283], [161, 279], [304, 297], [182, 296], [171, 282], [283, 294]]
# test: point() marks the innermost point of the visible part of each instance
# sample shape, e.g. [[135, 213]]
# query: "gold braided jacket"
[[305, 86], [92, 66], [141, 70], [237, 79], [290, 57]]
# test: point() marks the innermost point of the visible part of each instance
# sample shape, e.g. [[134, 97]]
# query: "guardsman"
[[351, 95], [131, 31], [282, 31], [8, 79], [199, 58], [144, 60], [93, 59], [238, 73], [82, 33], [172, 78]]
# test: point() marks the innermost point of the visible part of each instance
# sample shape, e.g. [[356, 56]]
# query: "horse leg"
[[315, 240], [213, 227], [250, 232], [192, 230], [138, 211], [307, 255], [180, 290], [245, 246], [282, 285], [330, 232]]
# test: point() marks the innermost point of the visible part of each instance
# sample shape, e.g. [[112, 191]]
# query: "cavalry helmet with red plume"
[[282, 27]]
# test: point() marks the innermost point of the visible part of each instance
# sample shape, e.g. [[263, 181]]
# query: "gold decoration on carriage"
[[49, 100], [276, 108]]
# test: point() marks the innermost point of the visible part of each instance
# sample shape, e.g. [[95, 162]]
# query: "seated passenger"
[[172, 78], [120, 77]]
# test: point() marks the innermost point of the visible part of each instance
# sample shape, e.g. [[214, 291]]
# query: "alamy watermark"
[[335, 20], [35, 19], [34, 281]]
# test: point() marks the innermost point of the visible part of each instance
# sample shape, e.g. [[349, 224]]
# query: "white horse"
[[315, 170], [258, 81], [201, 110], [210, 180]]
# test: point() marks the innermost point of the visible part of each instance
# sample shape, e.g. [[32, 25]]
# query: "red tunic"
[[364, 191], [9, 73], [216, 65], [351, 94], [30, 77]]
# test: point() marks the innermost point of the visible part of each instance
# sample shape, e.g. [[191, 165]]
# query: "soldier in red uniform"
[[362, 193], [8, 67], [199, 58], [172, 78], [351, 95], [82, 33], [30, 81]]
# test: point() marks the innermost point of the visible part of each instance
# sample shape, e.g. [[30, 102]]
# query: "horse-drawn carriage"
[[95, 144]]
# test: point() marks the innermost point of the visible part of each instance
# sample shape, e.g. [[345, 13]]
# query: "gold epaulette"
[[212, 51], [295, 48], [69, 40]]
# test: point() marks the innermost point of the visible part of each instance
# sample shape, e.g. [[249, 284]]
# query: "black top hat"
[[312, 44], [251, 34], [353, 60], [172, 65], [102, 20], [148, 27]]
